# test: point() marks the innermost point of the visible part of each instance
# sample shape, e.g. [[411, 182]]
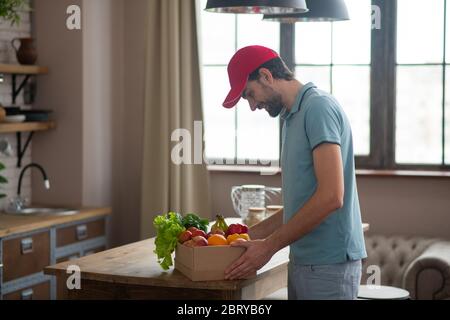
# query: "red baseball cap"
[[241, 65]]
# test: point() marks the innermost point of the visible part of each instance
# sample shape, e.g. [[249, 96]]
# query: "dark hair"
[[277, 68]]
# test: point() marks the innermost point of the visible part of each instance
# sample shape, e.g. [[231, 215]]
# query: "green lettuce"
[[193, 220], [168, 228]]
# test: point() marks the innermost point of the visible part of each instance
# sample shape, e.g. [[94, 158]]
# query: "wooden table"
[[132, 272]]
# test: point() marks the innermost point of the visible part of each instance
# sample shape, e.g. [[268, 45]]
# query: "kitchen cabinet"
[[25, 255], [29, 244], [80, 232], [37, 292]]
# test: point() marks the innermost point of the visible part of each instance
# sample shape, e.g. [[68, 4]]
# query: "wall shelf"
[[22, 69], [30, 127], [26, 71], [26, 126]]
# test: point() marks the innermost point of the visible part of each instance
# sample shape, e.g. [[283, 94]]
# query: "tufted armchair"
[[419, 265]]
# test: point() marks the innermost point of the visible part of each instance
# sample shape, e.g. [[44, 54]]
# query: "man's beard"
[[274, 106]]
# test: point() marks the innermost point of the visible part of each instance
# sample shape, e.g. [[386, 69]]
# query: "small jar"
[[255, 215], [272, 209]]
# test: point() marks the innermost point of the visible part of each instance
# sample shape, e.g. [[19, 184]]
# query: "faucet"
[[17, 203]]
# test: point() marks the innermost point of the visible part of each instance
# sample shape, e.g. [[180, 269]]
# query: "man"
[[321, 207]]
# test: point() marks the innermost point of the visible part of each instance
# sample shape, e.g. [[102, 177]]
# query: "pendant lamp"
[[319, 10], [257, 6]]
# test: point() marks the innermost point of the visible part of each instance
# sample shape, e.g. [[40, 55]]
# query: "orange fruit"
[[245, 236], [238, 240], [233, 237], [217, 240]]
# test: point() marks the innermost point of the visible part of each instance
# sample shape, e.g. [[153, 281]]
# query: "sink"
[[40, 211]]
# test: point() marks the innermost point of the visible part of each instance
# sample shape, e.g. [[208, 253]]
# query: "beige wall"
[[392, 205], [103, 82], [60, 151], [409, 206], [129, 129], [95, 87]]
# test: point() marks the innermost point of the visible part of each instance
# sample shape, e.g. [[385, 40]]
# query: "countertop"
[[12, 224]]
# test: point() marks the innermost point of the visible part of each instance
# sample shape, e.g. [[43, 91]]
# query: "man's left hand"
[[258, 253]]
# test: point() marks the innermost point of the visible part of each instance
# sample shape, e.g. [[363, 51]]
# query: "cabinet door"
[[38, 292], [80, 232], [25, 256]]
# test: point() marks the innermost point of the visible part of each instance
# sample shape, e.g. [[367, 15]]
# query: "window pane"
[[420, 31], [319, 75], [217, 36], [351, 86], [447, 119], [447, 55], [351, 39], [313, 43], [219, 121], [258, 134], [419, 115], [252, 30]]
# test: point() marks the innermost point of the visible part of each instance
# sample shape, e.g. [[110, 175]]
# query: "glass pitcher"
[[248, 196]]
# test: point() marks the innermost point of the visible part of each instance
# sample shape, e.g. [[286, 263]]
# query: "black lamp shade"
[[319, 10], [257, 6]]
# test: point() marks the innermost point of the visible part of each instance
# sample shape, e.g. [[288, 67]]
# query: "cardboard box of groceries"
[[204, 256], [205, 263], [203, 249]]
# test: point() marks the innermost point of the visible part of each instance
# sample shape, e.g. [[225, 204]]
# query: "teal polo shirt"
[[316, 118]]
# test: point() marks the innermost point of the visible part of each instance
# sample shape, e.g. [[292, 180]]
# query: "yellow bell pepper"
[[234, 236]]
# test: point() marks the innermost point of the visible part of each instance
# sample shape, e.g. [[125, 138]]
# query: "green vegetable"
[[193, 220], [168, 228]]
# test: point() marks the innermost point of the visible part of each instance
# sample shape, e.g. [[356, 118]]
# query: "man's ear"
[[265, 76]]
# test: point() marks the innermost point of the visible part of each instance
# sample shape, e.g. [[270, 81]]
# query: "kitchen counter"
[[132, 272], [13, 224]]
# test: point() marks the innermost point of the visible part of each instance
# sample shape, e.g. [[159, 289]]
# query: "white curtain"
[[173, 100]]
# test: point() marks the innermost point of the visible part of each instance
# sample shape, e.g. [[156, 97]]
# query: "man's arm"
[[328, 197]]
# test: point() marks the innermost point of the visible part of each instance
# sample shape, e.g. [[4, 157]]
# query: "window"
[[392, 81], [234, 135], [337, 57], [422, 108]]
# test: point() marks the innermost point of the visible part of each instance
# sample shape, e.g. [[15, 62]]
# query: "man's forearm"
[[316, 210]]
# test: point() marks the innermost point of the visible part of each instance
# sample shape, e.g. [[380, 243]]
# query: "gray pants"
[[324, 282]]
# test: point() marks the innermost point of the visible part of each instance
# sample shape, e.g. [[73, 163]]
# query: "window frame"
[[383, 80], [384, 99], [237, 161]]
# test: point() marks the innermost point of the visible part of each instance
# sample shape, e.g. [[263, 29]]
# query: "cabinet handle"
[[82, 232], [26, 245], [27, 294]]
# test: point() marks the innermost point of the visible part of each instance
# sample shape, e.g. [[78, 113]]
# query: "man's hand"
[[258, 253]]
